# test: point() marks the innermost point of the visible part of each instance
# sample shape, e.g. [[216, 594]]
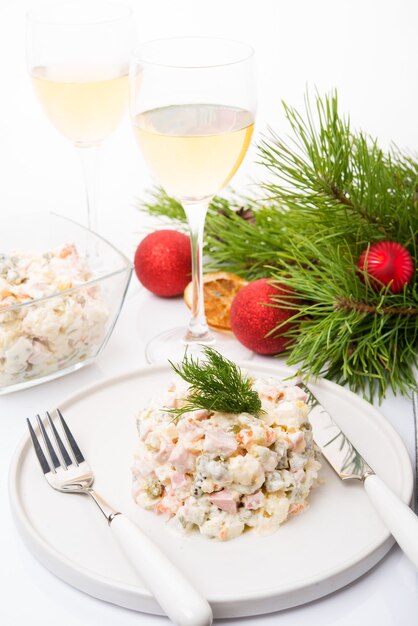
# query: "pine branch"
[[365, 345], [329, 193], [361, 307], [342, 199]]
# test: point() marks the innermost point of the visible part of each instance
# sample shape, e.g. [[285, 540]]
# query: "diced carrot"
[[67, 251], [294, 509], [160, 508], [238, 452], [245, 436], [270, 437]]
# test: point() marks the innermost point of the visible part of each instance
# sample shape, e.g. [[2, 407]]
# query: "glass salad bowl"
[[62, 288]]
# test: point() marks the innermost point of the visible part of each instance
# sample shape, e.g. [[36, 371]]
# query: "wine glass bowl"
[[192, 106], [83, 107], [204, 162], [78, 56]]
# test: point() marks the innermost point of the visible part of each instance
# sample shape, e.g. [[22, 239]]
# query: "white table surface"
[[366, 49]]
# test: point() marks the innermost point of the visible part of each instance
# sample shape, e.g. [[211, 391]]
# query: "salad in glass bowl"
[[61, 291]]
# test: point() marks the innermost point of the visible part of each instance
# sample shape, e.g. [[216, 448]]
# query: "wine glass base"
[[171, 345]]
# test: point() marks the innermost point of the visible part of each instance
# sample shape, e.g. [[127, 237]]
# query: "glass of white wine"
[[193, 104], [78, 57]]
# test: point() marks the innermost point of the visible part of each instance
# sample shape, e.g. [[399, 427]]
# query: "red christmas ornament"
[[163, 262], [388, 262], [251, 319]]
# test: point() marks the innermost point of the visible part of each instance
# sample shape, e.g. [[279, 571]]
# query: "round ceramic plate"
[[332, 543]]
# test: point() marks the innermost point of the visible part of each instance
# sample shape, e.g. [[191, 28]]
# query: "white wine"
[[82, 107], [194, 149]]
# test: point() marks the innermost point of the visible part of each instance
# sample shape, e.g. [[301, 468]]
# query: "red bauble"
[[387, 261], [163, 262], [251, 319]]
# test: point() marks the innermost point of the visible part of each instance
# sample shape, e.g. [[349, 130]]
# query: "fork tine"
[[39, 453], [71, 441], [50, 450], [66, 459]]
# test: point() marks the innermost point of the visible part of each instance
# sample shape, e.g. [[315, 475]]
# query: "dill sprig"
[[216, 384]]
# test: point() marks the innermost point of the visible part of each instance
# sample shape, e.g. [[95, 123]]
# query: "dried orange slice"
[[219, 289]]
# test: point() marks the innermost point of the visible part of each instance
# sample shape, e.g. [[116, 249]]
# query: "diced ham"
[[295, 393], [188, 504], [164, 453], [219, 442], [224, 500], [178, 479], [254, 500], [182, 459]]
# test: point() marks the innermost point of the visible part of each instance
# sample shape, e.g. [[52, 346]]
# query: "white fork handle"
[[397, 516], [174, 593]]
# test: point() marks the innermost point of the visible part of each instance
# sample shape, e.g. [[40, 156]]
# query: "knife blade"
[[348, 463], [338, 450], [415, 412]]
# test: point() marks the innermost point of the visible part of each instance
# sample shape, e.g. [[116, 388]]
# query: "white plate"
[[335, 541]]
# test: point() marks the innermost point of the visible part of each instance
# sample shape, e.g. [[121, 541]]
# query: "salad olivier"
[[224, 472], [43, 326]]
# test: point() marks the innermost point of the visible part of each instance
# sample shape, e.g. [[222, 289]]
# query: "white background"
[[368, 51]]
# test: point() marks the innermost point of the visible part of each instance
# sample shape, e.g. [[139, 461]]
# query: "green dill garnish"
[[216, 384]]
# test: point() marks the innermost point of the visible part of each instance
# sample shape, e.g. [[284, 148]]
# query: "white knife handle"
[[174, 593], [397, 516]]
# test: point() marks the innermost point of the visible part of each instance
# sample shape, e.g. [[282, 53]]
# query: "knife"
[[346, 461], [415, 412]]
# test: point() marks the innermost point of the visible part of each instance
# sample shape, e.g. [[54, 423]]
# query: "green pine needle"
[[216, 384]]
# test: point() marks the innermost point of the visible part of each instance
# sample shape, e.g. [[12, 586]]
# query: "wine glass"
[[78, 57], [193, 103]]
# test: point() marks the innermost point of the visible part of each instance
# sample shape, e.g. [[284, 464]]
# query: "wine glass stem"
[[89, 157], [198, 330]]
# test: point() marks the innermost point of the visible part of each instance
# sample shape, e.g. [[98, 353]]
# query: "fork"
[[66, 470]]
